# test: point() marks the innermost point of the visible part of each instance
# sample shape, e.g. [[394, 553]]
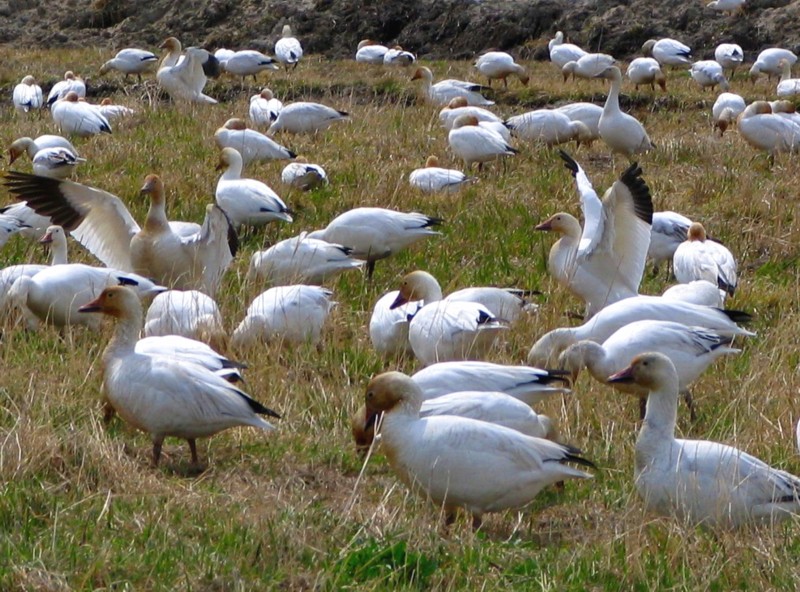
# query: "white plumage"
[[306, 118], [61, 89], [188, 313], [550, 127], [500, 65], [27, 95], [80, 119], [646, 71], [183, 76], [303, 175], [264, 108], [288, 50], [561, 53], [369, 52], [444, 91], [622, 132], [769, 60], [668, 52], [131, 61], [473, 143], [708, 74], [248, 62], [700, 259], [435, 179], [252, 145]]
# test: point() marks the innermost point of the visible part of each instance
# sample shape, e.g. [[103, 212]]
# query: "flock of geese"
[[462, 431]]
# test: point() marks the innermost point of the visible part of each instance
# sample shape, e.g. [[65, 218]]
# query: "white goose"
[[587, 113], [668, 52], [162, 395], [769, 62], [699, 481], [370, 52], [697, 292], [397, 56], [377, 233], [726, 109], [248, 62], [500, 65], [301, 259], [51, 156], [247, 202], [591, 65], [561, 53], [444, 91], [252, 145], [264, 108], [388, 327], [101, 223], [768, 131], [701, 259], [9, 226], [80, 119], [183, 77], [639, 308], [303, 175], [192, 351], [111, 111], [434, 179], [730, 56], [787, 86], [646, 71], [306, 118], [131, 61], [708, 74], [290, 314], [621, 132], [550, 127], [459, 106], [667, 232], [288, 50], [473, 143], [30, 146], [27, 95], [71, 83], [188, 313], [480, 467], [603, 262]]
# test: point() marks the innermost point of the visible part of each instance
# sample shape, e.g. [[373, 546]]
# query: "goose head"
[[457, 103], [229, 158], [116, 301], [19, 147], [417, 285], [696, 232], [266, 94], [432, 161], [171, 44], [362, 426], [389, 391], [29, 80], [648, 370], [422, 73], [464, 121]]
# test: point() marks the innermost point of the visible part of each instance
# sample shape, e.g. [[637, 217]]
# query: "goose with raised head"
[[183, 77], [787, 86], [288, 49], [622, 133]]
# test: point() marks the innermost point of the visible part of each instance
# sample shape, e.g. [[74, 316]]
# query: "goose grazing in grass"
[[248, 62], [449, 329], [668, 52], [101, 223], [480, 467], [726, 110], [247, 202], [61, 89], [187, 313], [388, 327], [303, 175], [700, 259], [434, 179], [562, 53], [550, 127], [591, 65], [306, 118], [27, 95], [602, 263], [643, 71], [161, 395], [498, 65], [370, 52], [264, 108], [787, 86], [691, 349], [377, 233], [288, 50], [76, 118], [131, 61], [768, 131], [621, 132], [290, 314], [301, 259], [769, 62], [667, 232], [708, 74], [183, 77], [459, 106], [445, 91], [699, 481], [30, 146], [51, 156], [397, 56], [252, 145], [730, 56], [473, 143], [639, 308], [587, 113]]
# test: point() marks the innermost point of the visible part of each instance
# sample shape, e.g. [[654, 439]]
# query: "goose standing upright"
[[768, 62], [131, 61], [668, 52], [184, 77], [288, 50], [27, 95], [620, 131], [730, 56], [562, 53], [248, 62], [591, 65], [646, 71], [500, 65], [708, 74]]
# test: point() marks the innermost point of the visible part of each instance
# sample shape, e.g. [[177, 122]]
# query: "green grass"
[[81, 508]]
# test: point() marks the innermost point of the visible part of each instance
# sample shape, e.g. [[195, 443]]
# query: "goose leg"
[[158, 441], [687, 396], [370, 268], [193, 448]]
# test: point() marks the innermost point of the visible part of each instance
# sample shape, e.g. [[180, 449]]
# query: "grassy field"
[[81, 508]]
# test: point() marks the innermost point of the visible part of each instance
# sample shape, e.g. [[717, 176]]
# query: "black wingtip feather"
[[432, 221], [258, 407], [43, 195], [642, 200], [737, 316], [569, 162]]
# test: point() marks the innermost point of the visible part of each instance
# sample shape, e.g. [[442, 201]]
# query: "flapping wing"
[[590, 204], [215, 246]]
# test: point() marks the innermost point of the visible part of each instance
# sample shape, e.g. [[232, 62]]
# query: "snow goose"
[[101, 223], [696, 292], [787, 86], [370, 52], [306, 118], [768, 62], [111, 111], [639, 308], [377, 233], [603, 262], [691, 349], [161, 395], [223, 55], [480, 467], [28, 223], [473, 143], [708, 74], [668, 52], [731, 6], [589, 66], [622, 132], [388, 327], [587, 113], [699, 481], [500, 65], [247, 202], [443, 92], [131, 61], [397, 56], [667, 231], [765, 130], [27, 145], [288, 50], [71, 83], [562, 53], [9, 226], [445, 330], [188, 313], [51, 156], [183, 78], [291, 314], [192, 351], [646, 71], [458, 106], [730, 56], [549, 126], [303, 175], [27, 95], [264, 108], [701, 259], [301, 259], [80, 119], [726, 109], [434, 179], [248, 62], [252, 145]]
